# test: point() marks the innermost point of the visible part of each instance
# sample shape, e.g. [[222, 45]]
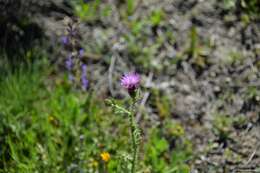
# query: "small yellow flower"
[[52, 120], [105, 156], [92, 163], [95, 163]]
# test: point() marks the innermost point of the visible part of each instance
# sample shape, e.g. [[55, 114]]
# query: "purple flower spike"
[[84, 69], [84, 81], [69, 63], [65, 40], [81, 52], [71, 77], [131, 81]]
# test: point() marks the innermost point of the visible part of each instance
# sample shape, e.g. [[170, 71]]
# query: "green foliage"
[[174, 129], [229, 4], [253, 92], [162, 104], [222, 126], [135, 135], [197, 50], [250, 8], [139, 48], [232, 156], [193, 42], [130, 7], [46, 126], [161, 158], [50, 128], [156, 17], [91, 11]]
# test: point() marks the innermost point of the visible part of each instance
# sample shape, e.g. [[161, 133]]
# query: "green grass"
[[41, 125]]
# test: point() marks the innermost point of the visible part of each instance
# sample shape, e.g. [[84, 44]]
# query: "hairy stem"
[[134, 129]]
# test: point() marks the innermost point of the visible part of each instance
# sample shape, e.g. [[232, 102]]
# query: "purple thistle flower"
[[84, 81], [131, 81], [65, 40], [69, 63]]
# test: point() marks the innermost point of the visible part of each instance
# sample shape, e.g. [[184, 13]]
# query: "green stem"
[[134, 147], [134, 140]]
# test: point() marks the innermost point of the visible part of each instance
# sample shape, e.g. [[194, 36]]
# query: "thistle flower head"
[[131, 81]]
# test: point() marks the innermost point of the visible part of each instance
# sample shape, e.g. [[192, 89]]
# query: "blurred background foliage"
[[48, 126], [247, 9]]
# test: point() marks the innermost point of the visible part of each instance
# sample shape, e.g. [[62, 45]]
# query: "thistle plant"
[[131, 82]]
